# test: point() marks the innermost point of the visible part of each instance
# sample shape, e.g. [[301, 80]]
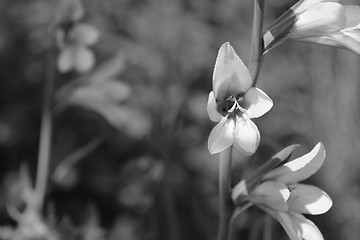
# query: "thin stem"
[[68, 162], [256, 58], [45, 131], [225, 205]]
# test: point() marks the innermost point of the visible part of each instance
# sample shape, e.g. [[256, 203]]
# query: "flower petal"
[[260, 103], [65, 61], [231, 77], [343, 39], [271, 194], [296, 225], [222, 136], [84, 34], [350, 39], [308, 230], [291, 227], [84, 59], [246, 136], [211, 108], [239, 192], [352, 16], [318, 20], [270, 164], [303, 5], [300, 168], [308, 199]]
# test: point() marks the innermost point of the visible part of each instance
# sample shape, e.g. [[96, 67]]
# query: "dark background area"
[[151, 175]]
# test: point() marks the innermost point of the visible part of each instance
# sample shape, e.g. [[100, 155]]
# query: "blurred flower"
[[232, 103], [280, 195], [75, 53], [317, 21]]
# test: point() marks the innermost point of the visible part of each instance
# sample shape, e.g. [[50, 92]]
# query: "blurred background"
[[129, 158]]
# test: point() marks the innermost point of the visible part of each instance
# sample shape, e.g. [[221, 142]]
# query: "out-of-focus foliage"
[[151, 176]]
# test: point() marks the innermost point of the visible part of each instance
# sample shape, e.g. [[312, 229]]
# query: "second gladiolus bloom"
[[233, 103], [280, 194], [325, 22]]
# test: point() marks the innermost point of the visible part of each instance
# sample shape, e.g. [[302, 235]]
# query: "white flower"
[[232, 103], [325, 22], [75, 53], [280, 195]]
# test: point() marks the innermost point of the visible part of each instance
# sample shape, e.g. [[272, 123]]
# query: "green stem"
[[225, 205], [68, 162], [45, 132], [256, 49]]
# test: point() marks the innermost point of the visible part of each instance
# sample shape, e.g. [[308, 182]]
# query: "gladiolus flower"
[[75, 53], [324, 22], [280, 195], [232, 103]]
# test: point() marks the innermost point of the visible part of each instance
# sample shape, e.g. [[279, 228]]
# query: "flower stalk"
[[45, 130], [256, 49], [225, 205]]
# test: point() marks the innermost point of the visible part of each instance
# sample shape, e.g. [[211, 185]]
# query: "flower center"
[[233, 105]]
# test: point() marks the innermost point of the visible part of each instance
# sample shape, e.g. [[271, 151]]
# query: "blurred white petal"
[[271, 194], [84, 59], [300, 168], [84, 34], [222, 136], [260, 103], [211, 108], [308, 199], [246, 136], [231, 77], [65, 61]]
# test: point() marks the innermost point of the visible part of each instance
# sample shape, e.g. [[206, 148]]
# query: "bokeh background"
[[143, 170]]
